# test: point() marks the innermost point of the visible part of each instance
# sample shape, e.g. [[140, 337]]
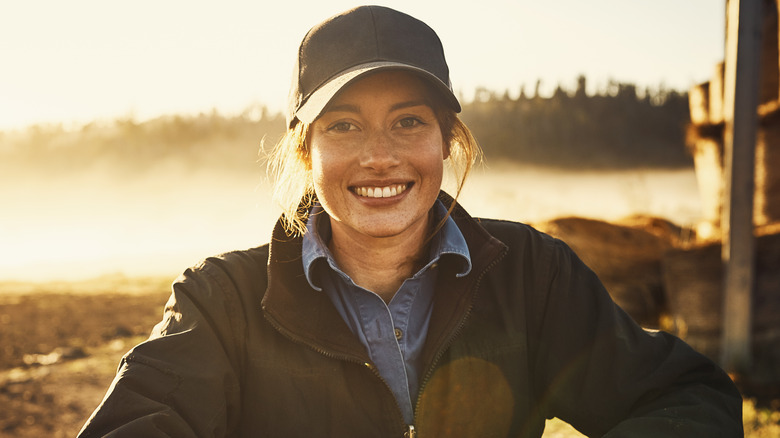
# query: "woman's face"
[[377, 156]]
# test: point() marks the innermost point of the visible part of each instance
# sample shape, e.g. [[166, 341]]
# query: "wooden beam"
[[743, 43], [699, 104]]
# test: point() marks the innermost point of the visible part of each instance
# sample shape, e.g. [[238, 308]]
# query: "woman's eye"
[[342, 127], [409, 122]]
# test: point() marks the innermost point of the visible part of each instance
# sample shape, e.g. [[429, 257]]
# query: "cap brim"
[[316, 103]]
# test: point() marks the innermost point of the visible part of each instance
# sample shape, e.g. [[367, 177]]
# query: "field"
[[61, 343]]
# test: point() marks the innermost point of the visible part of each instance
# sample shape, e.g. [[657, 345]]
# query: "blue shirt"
[[394, 333]]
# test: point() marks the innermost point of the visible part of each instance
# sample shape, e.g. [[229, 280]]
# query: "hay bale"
[[626, 257]]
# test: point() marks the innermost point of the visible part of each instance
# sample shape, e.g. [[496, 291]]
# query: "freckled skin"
[[378, 132]]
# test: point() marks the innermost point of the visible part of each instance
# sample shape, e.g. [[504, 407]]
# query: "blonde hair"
[[289, 165]]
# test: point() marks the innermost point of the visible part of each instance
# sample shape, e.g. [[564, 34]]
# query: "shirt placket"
[[384, 348]]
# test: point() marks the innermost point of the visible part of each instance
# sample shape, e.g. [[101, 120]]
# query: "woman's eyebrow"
[[409, 104]]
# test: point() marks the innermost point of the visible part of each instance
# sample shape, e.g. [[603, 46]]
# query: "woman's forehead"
[[404, 86]]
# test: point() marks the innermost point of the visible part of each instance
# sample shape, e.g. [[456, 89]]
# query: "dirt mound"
[[626, 256]]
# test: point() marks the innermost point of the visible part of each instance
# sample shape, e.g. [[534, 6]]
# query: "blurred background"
[[131, 135], [133, 139]]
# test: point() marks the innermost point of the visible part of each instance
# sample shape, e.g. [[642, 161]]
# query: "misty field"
[[166, 217]]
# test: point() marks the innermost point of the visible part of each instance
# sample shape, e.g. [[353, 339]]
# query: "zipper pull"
[[410, 433]]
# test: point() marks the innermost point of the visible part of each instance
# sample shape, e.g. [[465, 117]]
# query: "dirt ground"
[[60, 343]]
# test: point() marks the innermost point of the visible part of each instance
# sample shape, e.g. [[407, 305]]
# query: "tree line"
[[618, 127]]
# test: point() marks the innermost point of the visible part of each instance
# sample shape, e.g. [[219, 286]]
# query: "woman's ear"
[[445, 149]]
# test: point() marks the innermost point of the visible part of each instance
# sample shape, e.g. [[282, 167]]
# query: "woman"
[[381, 308]]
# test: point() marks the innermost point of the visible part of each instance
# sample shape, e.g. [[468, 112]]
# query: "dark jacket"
[[247, 348]]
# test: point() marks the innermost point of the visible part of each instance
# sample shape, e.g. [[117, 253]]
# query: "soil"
[[61, 343]]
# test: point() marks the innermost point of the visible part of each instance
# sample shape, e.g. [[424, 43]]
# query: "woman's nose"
[[379, 152]]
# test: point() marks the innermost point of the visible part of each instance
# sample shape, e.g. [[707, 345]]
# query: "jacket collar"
[[306, 316]]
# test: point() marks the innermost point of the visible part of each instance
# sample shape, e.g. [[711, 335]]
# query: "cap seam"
[[376, 34]]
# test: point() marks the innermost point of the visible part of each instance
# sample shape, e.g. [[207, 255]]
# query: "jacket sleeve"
[[605, 375], [184, 380]]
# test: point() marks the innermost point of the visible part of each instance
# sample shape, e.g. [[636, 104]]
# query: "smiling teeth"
[[380, 192]]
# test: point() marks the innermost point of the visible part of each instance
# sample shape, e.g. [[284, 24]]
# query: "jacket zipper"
[[455, 333], [286, 333]]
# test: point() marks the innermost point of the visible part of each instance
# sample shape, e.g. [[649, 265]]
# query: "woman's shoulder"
[[239, 259], [241, 271], [536, 251], [244, 261], [514, 234]]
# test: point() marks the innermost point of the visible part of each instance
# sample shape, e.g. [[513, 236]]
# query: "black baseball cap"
[[359, 41]]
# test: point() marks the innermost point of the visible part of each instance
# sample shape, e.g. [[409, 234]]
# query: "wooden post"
[[743, 38], [716, 94]]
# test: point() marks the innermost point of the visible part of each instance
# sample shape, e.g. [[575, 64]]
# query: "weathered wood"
[[770, 66], [705, 144], [708, 161], [777, 40], [741, 76], [716, 94], [699, 103], [767, 201], [693, 290]]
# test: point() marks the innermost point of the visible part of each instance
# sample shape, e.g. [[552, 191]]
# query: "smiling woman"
[[381, 307], [373, 138]]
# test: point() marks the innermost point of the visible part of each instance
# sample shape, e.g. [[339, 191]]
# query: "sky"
[[76, 61]]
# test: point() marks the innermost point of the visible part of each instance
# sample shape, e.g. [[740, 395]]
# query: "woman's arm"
[[607, 376], [182, 381]]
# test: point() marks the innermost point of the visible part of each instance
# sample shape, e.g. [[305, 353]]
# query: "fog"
[[166, 219], [530, 194]]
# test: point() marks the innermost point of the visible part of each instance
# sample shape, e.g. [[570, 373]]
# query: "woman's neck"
[[380, 264]]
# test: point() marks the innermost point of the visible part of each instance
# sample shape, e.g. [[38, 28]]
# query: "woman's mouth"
[[380, 192]]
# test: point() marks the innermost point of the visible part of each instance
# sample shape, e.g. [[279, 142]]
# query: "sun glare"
[[167, 221]]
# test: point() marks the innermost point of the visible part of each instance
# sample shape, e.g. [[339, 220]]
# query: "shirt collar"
[[448, 240]]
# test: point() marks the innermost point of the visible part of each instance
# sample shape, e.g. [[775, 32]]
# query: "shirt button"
[[399, 334]]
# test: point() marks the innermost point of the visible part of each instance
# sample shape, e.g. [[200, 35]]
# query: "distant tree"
[[615, 128], [581, 86]]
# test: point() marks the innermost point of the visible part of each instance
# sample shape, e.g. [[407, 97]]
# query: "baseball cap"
[[359, 41]]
